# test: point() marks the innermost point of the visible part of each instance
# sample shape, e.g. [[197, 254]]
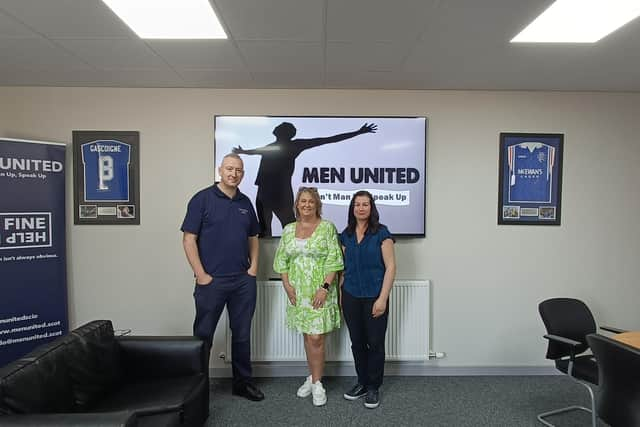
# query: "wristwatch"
[[325, 286]]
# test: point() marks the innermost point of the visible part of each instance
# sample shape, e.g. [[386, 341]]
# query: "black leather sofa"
[[92, 378]]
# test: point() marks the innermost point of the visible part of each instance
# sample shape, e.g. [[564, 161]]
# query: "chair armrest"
[[563, 340], [612, 329], [152, 357], [98, 419]]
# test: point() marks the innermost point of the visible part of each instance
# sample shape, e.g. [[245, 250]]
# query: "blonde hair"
[[313, 192]]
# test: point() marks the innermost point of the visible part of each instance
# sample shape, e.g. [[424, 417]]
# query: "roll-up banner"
[[33, 282]]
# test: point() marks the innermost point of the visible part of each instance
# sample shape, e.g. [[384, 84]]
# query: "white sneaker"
[[305, 388], [319, 394]]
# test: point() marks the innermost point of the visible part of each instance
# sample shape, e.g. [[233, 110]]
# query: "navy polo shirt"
[[363, 263], [223, 227]]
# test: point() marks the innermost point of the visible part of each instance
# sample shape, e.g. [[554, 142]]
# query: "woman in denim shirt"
[[370, 268]]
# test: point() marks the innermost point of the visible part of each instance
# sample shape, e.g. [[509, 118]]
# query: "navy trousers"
[[238, 293], [367, 338]]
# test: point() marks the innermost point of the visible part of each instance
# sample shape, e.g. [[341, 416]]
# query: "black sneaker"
[[356, 392], [248, 391], [372, 400]]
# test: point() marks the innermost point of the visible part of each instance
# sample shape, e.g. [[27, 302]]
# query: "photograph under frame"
[[530, 178], [106, 177]]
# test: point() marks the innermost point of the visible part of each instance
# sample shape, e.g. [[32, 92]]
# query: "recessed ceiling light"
[[579, 21], [169, 19]]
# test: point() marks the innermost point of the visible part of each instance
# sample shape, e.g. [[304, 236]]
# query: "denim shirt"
[[363, 263]]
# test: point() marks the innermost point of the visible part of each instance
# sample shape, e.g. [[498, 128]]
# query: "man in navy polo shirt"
[[220, 238]]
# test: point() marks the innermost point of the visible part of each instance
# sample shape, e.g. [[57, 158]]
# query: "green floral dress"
[[307, 267]]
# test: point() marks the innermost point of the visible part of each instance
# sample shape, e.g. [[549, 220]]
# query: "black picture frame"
[[106, 177], [530, 178]]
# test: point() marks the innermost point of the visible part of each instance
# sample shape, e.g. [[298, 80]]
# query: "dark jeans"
[[367, 338], [239, 295]]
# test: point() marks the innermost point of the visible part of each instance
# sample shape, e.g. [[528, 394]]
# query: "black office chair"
[[568, 322], [619, 367]]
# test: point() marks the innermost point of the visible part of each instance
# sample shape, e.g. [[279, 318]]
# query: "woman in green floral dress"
[[308, 257]]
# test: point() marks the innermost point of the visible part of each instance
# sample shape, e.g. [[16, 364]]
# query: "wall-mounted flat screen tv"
[[338, 156]]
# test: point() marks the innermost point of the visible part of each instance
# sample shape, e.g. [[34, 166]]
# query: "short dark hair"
[[231, 155]]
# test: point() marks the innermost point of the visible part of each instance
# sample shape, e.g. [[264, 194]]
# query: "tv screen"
[[338, 156]]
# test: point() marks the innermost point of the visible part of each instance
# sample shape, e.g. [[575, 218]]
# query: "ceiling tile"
[[98, 78], [299, 20], [426, 56], [375, 80], [377, 20], [361, 56], [37, 54], [282, 56], [11, 28], [215, 78], [306, 80], [198, 53], [141, 78], [368, 44], [67, 18], [113, 53], [32, 77]]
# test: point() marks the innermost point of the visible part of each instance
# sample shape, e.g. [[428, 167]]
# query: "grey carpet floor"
[[407, 401]]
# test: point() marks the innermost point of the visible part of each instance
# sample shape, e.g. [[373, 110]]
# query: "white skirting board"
[[345, 369]]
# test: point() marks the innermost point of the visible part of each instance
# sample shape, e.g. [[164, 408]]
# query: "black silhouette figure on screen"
[[275, 194]]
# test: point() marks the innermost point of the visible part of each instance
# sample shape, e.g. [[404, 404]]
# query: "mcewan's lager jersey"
[[531, 167], [106, 171]]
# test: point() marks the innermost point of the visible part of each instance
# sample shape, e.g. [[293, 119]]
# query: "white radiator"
[[407, 332]]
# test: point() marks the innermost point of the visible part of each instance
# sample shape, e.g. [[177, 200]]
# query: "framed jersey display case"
[[106, 175], [530, 178]]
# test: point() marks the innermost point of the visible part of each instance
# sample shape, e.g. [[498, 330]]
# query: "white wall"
[[487, 279]]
